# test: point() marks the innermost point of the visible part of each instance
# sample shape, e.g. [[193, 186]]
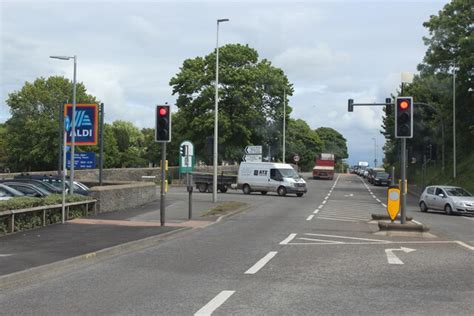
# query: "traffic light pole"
[[403, 184], [163, 180]]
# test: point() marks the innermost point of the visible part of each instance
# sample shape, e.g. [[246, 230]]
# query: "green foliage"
[[333, 142], [250, 101], [304, 142], [31, 137]]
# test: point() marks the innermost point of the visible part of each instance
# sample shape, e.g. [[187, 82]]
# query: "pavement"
[[25, 254]]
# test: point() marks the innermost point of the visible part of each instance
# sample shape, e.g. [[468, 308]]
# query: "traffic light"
[[388, 106], [404, 117], [163, 124], [350, 105], [184, 150]]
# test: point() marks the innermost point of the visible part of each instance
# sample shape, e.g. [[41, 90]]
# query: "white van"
[[266, 177]]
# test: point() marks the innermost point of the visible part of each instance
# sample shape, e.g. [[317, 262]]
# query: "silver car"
[[449, 199]]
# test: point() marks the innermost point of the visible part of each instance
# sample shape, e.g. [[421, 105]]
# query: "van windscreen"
[[288, 173]]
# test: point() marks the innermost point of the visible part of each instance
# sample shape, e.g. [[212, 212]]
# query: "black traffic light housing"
[[350, 105], [184, 151], [404, 117], [163, 124], [388, 106]]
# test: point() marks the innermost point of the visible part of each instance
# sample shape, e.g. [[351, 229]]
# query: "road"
[[318, 254]]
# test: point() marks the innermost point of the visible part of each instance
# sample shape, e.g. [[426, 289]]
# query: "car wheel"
[[299, 194], [281, 191], [423, 207], [246, 189], [448, 210], [202, 187], [223, 189], [263, 192]]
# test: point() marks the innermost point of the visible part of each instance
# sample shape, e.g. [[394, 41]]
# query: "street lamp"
[[375, 151], [73, 119], [214, 182], [454, 121], [284, 123]]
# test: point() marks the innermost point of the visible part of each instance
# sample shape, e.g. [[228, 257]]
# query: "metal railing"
[[10, 214]]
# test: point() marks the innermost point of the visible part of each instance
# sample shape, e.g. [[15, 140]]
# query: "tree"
[[31, 139], [333, 142], [130, 143], [250, 100], [3, 151], [304, 142]]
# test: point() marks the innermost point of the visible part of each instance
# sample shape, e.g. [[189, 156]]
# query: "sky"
[[127, 52]]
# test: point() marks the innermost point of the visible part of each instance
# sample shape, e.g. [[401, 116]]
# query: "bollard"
[[189, 184]]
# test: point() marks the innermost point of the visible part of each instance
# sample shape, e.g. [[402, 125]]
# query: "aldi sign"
[[86, 118]]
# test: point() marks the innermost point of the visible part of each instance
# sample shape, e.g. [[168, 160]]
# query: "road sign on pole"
[[253, 150], [86, 124], [393, 202], [187, 162], [252, 158]]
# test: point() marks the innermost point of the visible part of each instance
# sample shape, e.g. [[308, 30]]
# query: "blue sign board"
[[86, 124], [84, 160]]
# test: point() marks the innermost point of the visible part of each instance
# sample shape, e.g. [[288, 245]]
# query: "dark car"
[[44, 185], [56, 181], [7, 193], [28, 189], [381, 178]]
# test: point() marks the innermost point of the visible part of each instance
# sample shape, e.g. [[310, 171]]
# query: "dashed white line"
[[384, 205], [324, 202], [214, 304], [326, 197], [310, 217], [320, 206], [316, 211], [378, 200], [261, 263], [288, 239]]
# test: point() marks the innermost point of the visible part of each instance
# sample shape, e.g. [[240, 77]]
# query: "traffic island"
[[384, 217], [408, 227]]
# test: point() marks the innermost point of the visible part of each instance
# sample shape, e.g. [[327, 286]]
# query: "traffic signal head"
[[404, 117], [163, 124], [350, 105], [184, 150], [388, 106]]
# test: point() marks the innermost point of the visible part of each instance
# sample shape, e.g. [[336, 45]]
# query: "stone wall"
[[120, 197]]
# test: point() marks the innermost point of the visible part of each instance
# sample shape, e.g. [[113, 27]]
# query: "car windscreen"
[[381, 175], [288, 173], [457, 192]]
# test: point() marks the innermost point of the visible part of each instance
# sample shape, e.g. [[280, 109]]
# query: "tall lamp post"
[[73, 119], [375, 151], [454, 121], [214, 178], [284, 124]]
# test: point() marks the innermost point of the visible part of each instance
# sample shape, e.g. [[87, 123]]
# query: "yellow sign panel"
[[393, 202]]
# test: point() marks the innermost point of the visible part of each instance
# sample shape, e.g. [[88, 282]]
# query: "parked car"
[[372, 173], [7, 193], [27, 189], [44, 185], [449, 199], [79, 188], [381, 178]]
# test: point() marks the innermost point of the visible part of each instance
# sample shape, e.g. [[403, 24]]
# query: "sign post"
[[253, 154]]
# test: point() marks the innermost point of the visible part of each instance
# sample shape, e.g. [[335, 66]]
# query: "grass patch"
[[224, 208]]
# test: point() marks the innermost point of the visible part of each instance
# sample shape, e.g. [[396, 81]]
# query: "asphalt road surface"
[[318, 254]]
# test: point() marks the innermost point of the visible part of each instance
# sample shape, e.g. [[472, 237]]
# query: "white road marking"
[[384, 205], [214, 304], [310, 217], [392, 259], [469, 218], [316, 211], [464, 244], [378, 200], [288, 239], [320, 206], [324, 202], [323, 240], [326, 197], [345, 216], [338, 219], [345, 237], [261, 263], [5, 255], [416, 222]]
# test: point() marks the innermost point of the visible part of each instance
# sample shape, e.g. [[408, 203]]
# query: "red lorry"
[[324, 168]]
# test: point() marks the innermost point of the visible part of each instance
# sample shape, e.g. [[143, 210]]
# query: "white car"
[[449, 199]]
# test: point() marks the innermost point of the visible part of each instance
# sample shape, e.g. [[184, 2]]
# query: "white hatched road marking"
[[214, 304], [338, 219], [261, 263], [469, 218], [464, 245]]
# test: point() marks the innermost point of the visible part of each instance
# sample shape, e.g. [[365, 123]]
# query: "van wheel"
[[263, 192], [202, 187], [246, 189], [223, 189], [448, 210], [299, 194], [423, 207], [281, 191]]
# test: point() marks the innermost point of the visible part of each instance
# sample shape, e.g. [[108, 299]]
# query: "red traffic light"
[[404, 105], [163, 111]]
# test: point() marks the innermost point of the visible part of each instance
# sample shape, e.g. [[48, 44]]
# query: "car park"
[[27, 189], [7, 193], [44, 185], [450, 199], [79, 188]]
